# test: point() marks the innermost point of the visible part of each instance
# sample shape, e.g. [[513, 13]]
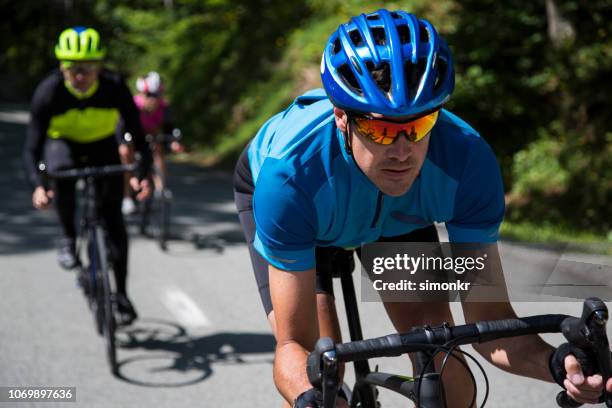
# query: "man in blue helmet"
[[334, 170]]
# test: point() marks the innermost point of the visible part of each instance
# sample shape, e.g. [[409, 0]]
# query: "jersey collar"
[[82, 95]]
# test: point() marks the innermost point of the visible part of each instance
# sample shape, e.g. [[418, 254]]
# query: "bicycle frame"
[[364, 390]]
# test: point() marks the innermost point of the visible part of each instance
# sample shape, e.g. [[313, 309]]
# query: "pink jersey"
[[152, 122]]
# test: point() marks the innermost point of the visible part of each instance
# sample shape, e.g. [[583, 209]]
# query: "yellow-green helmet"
[[79, 44]]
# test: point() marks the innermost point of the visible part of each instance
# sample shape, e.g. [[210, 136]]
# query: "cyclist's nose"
[[400, 149]]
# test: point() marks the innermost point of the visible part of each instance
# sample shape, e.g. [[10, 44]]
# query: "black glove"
[[586, 358], [312, 398]]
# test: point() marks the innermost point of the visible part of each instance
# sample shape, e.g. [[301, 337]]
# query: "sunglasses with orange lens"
[[385, 132], [81, 67]]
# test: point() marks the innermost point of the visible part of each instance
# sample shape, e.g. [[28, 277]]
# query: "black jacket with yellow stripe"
[[56, 112]]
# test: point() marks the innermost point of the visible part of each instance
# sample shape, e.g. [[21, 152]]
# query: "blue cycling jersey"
[[309, 192]]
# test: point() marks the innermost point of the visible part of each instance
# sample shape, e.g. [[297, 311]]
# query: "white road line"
[[184, 309], [21, 117]]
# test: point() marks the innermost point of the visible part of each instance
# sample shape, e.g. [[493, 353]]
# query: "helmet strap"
[[347, 138], [349, 148]]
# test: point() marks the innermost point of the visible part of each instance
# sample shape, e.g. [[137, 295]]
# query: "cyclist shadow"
[[174, 358]]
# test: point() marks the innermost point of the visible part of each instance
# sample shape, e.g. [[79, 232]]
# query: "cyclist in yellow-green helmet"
[[74, 113]]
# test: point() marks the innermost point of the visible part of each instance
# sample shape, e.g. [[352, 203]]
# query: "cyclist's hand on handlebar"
[[573, 369], [314, 399], [585, 389], [142, 188], [176, 147], [311, 398], [41, 198]]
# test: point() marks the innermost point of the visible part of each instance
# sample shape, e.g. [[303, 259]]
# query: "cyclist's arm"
[[120, 131], [295, 312], [36, 134], [168, 123], [131, 123], [478, 213], [527, 356], [285, 217]]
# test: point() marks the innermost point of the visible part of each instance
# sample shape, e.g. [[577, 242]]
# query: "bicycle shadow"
[[179, 359]]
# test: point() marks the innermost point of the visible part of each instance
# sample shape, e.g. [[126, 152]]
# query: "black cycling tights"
[[61, 154]]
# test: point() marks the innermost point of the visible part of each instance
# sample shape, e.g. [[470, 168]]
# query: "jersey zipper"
[[379, 202]]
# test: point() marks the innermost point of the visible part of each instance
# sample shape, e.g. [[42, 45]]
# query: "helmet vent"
[[395, 15], [441, 73], [373, 16], [413, 74], [337, 46], [423, 33], [404, 33], [382, 77], [349, 78], [379, 35], [356, 38]]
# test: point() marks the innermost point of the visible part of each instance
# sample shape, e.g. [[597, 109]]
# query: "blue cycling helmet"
[[413, 65]]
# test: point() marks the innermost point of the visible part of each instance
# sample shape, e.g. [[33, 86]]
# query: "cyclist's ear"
[[341, 119]]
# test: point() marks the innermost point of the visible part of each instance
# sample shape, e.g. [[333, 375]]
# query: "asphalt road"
[[202, 339]]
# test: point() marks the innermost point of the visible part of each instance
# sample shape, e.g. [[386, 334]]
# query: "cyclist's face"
[[81, 76], [150, 102], [392, 168]]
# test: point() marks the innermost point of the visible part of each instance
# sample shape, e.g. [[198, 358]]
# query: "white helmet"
[[150, 84]]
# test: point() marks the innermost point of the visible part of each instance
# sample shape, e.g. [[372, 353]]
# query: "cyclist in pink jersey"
[[156, 120]]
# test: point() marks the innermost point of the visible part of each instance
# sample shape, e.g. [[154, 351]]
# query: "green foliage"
[[210, 53], [28, 31], [546, 232], [537, 169], [542, 102]]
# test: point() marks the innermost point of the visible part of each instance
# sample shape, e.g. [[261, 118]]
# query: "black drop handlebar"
[[587, 332], [93, 171], [175, 135]]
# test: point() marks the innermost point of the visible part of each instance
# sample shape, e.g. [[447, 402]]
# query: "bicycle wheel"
[[105, 302], [164, 218]]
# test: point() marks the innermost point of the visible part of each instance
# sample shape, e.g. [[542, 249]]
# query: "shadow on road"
[[203, 200], [170, 353]]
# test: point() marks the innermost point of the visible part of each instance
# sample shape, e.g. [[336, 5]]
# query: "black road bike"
[[95, 277], [156, 209], [426, 389]]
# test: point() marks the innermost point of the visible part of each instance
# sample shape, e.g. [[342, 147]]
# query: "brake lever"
[[322, 370], [589, 332]]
